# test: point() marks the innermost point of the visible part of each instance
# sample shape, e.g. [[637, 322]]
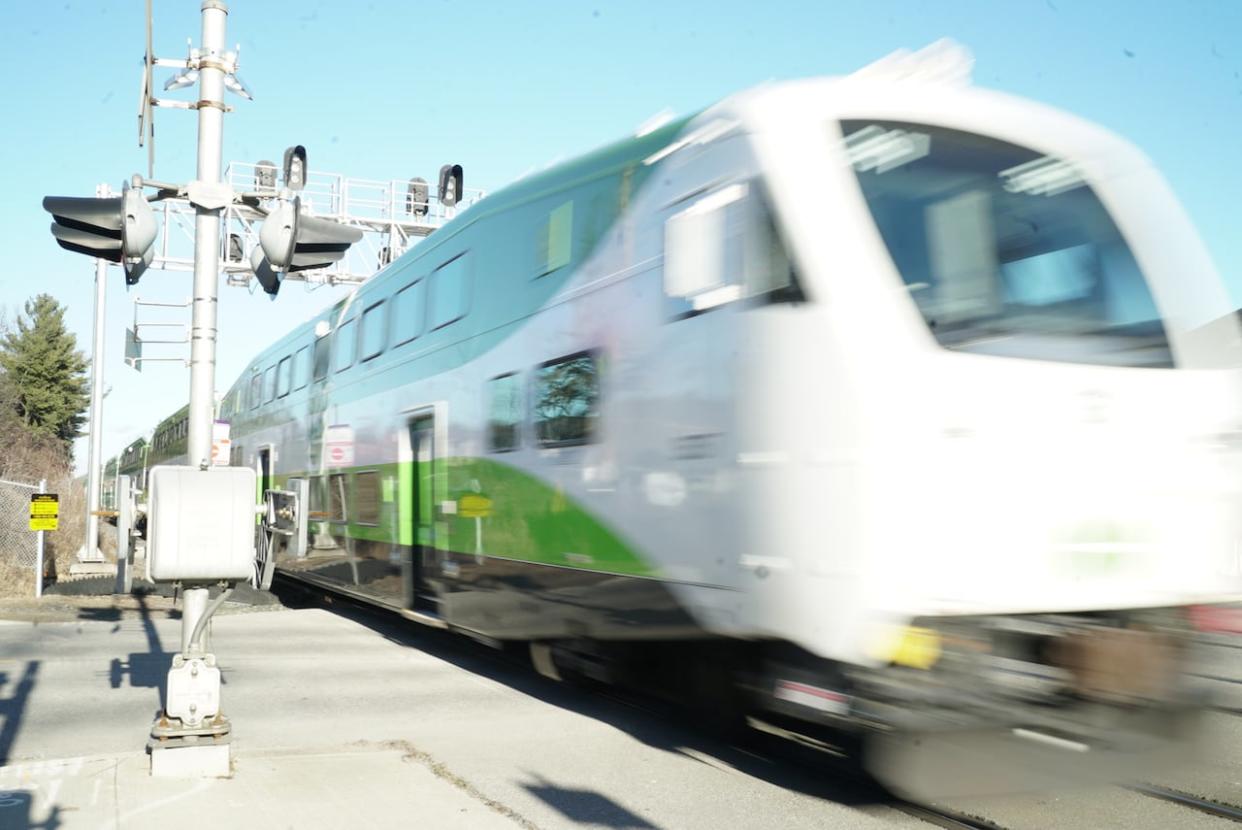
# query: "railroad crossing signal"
[[116, 228], [290, 241]]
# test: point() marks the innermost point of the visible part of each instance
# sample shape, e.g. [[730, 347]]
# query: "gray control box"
[[200, 524]]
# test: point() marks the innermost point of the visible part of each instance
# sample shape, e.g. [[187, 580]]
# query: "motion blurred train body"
[[914, 405], [166, 444]]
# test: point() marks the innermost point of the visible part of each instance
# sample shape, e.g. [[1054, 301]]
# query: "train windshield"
[[1006, 251]]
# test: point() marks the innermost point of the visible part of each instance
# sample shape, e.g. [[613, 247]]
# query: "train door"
[[265, 472], [422, 512]]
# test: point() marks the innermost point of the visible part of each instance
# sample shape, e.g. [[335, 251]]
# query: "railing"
[[19, 545], [390, 220]]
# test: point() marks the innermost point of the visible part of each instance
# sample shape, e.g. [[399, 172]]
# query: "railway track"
[[944, 818], [1203, 805], [805, 756]]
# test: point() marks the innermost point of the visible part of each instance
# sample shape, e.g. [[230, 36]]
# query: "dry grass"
[[29, 458], [15, 581], [63, 545]]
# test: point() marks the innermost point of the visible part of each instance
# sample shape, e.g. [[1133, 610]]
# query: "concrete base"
[[204, 760], [100, 568], [90, 556]]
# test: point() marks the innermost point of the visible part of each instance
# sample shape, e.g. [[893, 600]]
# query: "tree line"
[[43, 392], [43, 399]]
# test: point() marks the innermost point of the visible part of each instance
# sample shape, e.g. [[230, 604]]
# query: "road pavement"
[[362, 719]]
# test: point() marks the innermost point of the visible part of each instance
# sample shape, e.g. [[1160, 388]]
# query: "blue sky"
[[386, 90]]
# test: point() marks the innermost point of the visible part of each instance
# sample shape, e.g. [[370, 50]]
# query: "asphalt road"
[[370, 716]]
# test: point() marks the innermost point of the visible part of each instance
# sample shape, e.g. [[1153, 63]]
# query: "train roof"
[[173, 418], [610, 158]]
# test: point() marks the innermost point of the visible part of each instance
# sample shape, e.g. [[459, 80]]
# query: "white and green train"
[[912, 404]]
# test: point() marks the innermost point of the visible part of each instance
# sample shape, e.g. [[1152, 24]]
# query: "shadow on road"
[[658, 726], [148, 669], [586, 806], [16, 807], [13, 704]]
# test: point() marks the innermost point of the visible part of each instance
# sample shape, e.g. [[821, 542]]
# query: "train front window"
[[1004, 250], [721, 247]]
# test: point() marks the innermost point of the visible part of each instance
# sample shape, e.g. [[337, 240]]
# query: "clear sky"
[[390, 89]]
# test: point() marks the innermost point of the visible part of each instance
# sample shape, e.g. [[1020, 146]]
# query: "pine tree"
[[44, 372]]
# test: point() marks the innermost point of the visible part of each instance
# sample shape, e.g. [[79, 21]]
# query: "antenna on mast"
[[146, 119]]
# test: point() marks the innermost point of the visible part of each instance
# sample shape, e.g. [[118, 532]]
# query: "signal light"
[[450, 184], [295, 167], [289, 241], [116, 228]]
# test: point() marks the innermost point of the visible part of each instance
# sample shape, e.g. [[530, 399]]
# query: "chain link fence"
[[18, 544]]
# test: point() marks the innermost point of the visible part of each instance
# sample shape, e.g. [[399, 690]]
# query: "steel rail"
[[1203, 805]]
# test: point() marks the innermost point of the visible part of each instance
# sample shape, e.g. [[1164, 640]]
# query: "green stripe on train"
[[527, 519]]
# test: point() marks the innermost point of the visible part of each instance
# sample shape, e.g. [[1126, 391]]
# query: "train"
[[881, 404]]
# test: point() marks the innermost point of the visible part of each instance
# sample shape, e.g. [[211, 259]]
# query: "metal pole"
[[206, 237], [206, 270], [90, 547], [39, 551], [124, 539], [195, 605]]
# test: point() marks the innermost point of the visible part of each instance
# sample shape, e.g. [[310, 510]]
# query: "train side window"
[[373, 330], [407, 313], [723, 247], [346, 342], [301, 367], [336, 497], [566, 408], [323, 354], [702, 256], [504, 412], [269, 384], [284, 376], [554, 240], [367, 498], [450, 291], [256, 390]]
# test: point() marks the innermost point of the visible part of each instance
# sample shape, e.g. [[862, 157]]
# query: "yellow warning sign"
[[474, 506], [44, 511]]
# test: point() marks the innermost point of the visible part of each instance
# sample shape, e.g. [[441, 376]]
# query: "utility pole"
[[183, 740], [207, 236], [206, 270], [192, 735], [90, 546]]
